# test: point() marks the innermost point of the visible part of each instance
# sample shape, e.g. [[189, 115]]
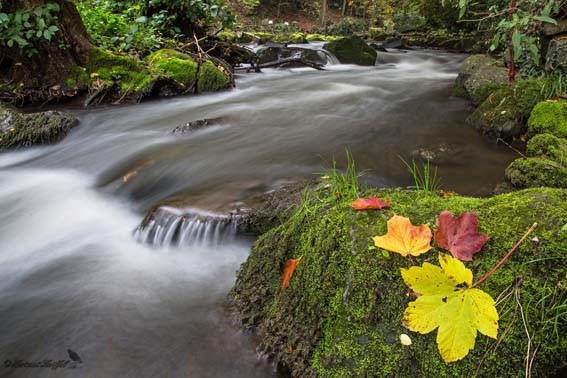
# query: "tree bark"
[[53, 62], [324, 15]]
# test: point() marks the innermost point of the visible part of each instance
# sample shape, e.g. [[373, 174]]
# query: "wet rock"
[[352, 50], [18, 130], [378, 47], [274, 51], [476, 71], [441, 154], [192, 126], [504, 114], [181, 220], [395, 43]]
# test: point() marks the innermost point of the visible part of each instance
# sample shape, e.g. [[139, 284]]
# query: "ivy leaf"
[[372, 203], [459, 235], [446, 301], [545, 19], [517, 44], [289, 269], [405, 238]]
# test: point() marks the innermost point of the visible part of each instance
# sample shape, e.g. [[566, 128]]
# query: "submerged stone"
[[18, 130], [342, 314]]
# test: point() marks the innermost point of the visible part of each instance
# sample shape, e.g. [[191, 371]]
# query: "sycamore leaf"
[[405, 238], [371, 203], [459, 235], [446, 301], [289, 269]]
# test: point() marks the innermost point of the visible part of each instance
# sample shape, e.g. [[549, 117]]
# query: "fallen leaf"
[[405, 238], [459, 235], [289, 269], [371, 203], [405, 339], [446, 301]]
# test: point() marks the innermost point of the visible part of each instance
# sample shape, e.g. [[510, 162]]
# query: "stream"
[[72, 275]]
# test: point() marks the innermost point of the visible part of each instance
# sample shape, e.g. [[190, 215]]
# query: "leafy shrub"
[[25, 28]]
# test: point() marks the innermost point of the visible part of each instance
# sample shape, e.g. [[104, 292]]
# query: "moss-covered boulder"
[[18, 130], [549, 117], [342, 314], [298, 37], [548, 145], [352, 50], [212, 78], [477, 71], [535, 172], [505, 112], [175, 65]]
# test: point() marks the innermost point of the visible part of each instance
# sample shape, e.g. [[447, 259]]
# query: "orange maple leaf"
[[289, 269], [372, 203], [405, 238]]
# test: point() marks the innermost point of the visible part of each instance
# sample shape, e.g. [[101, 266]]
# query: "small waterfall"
[[168, 226]]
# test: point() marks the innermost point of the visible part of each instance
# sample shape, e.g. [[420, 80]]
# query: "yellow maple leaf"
[[446, 301], [405, 238]]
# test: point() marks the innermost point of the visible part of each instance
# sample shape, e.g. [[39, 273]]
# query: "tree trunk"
[[324, 15], [512, 63], [343, 12], [55, 59]]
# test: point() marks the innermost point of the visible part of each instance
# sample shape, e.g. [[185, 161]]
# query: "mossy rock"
[[483, 92], [211, 78], [477, 71], [535, 172], [129, 74], [549, 117], [549, 146], [298, 37], [18, 130], [352, 50], [505, 112], [320, 37], [342, 314], [556, 59], [174, 65]]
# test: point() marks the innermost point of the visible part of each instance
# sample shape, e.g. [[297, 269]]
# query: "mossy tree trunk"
[[55, 59]]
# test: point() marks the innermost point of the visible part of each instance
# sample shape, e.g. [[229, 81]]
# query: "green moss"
[[128, 73], [174, 65], [549, 117], [298, 37], [352, 50], [211, 78], [482, 93], [549, 146], [536, 172], [78, 77], [321, 37], [504, 114], [342, 314]]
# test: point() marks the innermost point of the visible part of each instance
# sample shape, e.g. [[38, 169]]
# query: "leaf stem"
[[489, 273]]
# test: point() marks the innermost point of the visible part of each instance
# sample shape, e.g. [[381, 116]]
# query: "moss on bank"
[[549, 117], [174, 65], [549, 146], [342, 314], [211, 78]]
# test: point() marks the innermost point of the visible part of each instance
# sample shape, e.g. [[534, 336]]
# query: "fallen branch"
[[281, 62]]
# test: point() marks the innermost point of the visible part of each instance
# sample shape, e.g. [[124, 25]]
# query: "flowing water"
[[74, 276]]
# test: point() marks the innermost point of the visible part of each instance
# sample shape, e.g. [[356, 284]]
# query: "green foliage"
[[119, 29], [425, 179], [26, 28], [554, 85], [344, 184]]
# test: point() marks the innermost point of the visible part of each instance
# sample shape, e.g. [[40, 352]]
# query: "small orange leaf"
[[289, 269], [405, 238], [371, 203]]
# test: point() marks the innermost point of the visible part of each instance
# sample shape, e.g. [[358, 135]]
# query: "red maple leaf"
[[371, 203], [459, 235]]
